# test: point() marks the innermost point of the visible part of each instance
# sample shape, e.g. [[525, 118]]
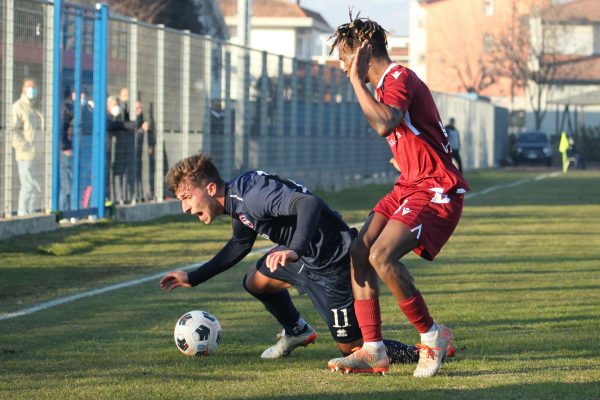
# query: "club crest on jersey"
[[246, 221]]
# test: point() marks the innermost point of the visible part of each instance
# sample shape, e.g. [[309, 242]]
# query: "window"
[[488, 43], [488, 8]]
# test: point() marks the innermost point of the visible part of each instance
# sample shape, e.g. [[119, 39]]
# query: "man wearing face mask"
[[26, 129], [120, 136]]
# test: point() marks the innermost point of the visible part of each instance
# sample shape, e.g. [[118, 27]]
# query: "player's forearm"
[[226, 258], [382, 118]]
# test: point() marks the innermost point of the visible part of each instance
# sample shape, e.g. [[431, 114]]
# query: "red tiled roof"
[[272, 8], [578, 69], [398, 51], [578, 10]]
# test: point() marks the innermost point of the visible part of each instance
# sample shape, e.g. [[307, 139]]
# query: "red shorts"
[[431, 215]]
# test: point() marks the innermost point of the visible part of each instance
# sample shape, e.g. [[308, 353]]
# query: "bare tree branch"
[[181, 14], [527, 54]]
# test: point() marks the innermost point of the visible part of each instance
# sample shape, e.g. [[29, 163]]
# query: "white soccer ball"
[[197, 333]]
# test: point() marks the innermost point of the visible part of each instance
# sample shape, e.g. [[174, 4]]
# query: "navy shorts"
[[329, 289]]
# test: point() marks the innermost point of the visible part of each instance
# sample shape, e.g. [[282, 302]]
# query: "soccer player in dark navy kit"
[[312, 253]]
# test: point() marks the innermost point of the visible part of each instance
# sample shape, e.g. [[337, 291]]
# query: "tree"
[[477, 78], [527, 53], [177, 14]]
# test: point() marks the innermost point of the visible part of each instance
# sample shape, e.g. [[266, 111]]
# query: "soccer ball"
[[197, 333]]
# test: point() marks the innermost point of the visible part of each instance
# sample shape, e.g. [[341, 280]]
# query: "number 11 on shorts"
[[336, 317]]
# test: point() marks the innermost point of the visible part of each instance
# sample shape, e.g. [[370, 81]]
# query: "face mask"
[[115, 111], [83, 101], [31, 92]]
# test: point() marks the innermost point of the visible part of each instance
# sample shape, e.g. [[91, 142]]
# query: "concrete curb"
[[146, 211], [43, 223], [27, 225]]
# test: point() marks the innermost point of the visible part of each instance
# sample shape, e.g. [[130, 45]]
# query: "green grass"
[[519, 283]]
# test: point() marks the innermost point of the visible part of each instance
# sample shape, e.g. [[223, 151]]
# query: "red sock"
[[369, 319], [417, 313]]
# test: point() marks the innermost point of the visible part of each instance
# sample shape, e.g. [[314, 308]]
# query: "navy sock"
[[400, 353], [280, 305]]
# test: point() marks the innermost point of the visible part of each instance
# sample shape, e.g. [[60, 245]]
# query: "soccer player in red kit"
[[421, 211]]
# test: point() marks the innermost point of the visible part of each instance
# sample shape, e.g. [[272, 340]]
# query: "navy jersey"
[[262, 203]]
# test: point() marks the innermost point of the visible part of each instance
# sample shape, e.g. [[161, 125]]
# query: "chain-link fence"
[[84, 122], [26, 107]]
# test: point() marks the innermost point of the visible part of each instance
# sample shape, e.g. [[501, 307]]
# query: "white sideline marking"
[[511, 185], [110, 288], [95, 292]]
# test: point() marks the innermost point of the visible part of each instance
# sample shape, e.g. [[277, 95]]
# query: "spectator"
[[66, 157], [151, 153], [120, 136], [454, 140], [574, 155], [26, 127], [124, 103], [141, 131]]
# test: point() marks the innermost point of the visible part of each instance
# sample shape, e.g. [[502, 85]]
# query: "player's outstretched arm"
[[174, 279], [233, 252]]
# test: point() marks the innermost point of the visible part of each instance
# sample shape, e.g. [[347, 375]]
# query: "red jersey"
[[419, 143]]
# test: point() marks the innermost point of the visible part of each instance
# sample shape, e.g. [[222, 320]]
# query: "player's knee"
[[245, 284], [380, 259], [250, 285]]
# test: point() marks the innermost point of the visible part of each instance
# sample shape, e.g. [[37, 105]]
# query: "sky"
[[392, 15]]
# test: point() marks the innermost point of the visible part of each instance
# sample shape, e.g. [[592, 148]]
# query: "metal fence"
[[120, 101]]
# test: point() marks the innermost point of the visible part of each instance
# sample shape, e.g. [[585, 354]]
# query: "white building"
[[280, 27], [569, 34], [418, 38], [398, 49]]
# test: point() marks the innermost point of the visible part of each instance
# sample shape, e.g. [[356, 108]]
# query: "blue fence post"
[[76, 114], [57, 101], [99, 132], [95, 116]]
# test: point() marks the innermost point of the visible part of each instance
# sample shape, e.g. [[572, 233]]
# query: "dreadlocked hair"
[[357, 31], [196, 170]]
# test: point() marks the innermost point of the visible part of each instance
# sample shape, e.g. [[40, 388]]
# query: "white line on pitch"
[[110, 288], [95, 292], [510, 185]]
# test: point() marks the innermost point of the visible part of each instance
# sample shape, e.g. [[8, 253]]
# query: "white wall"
[[483, 129], [418, 39], [276, 41], [571, 39], [597, 39]]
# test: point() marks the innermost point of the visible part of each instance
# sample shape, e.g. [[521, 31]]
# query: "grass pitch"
[[518, 283]]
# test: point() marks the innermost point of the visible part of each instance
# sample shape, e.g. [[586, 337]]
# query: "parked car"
[[533, 147]]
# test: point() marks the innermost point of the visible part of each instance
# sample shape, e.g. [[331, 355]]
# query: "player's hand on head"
[[174, 279], [361, 62], [279, 258]]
